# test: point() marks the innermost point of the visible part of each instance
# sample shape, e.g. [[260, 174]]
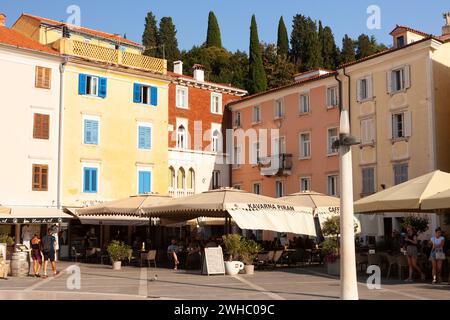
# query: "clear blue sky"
[[190, 16]]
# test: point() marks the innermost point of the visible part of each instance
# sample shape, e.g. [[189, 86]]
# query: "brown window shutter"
[[47, 78], [40, 177], [43, 77], [41, 128]]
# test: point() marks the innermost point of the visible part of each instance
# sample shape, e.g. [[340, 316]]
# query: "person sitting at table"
[[172, 253]]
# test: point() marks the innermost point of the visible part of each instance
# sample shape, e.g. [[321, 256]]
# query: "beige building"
[[399, 107]]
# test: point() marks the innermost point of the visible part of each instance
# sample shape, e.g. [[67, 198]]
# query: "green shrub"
[[4, 238], [420, 224], [249, 251], [118, 251], [232, 243]]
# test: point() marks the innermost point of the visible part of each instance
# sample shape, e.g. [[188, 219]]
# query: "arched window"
[[216, 141], [181, 137], [172, 177], [181, 179], [191, 179]]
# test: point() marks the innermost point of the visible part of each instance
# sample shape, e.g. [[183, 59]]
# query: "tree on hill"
[[283, 40], [213, 37], [150, 35], [348, 50], [330, 52], [257, 80], [305, 44], [167, 40], [278, 68]]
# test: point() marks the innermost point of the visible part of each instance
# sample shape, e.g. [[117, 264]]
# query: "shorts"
[[411, 251], [36, 255], [49, 255], [433, 256]]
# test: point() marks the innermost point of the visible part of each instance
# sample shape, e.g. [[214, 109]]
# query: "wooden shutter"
[[43, 77], [358, 90], [102, 87], [82, 83], [408, 123], [390, 127], [407, 75], [389, 81], [369, 87], [40, 177], [41, 126], [154, 96]]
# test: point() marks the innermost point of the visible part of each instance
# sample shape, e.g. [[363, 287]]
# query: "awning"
[[440, 201], [114, 220], [5, 210], [34, 215]]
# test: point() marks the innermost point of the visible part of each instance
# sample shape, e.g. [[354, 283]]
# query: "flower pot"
[[117, 265], [334, 268], [249, 269], [232, 268]]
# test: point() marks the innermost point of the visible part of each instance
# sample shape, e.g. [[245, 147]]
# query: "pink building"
[[301, 156]]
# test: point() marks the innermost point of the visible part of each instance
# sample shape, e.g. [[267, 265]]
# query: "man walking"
[[48, 249]]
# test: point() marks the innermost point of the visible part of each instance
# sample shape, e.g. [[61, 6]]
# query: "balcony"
[[180, 193], [278, 165], [108, 55]]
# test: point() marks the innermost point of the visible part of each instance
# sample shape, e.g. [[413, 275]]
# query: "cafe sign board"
[[33, 220], [213, 263]]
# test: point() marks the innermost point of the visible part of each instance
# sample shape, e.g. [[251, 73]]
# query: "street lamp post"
[[349, 282]]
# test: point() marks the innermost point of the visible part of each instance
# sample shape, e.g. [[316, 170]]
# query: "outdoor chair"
[[262, 259], [75, 254], [131, 258], [374, 260], [402, 262], [392, 261], [361, 260], [270, 256], [151, 256], [277, 257]]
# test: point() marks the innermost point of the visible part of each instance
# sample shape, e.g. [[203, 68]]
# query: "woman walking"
[[437, 255], [36, 255], [411, 243]]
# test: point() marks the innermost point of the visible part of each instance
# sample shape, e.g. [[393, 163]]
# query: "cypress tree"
[[167, 40], [305, 44], [150, 36], [348, 50], [283, 41], [257, 75], [213, 37], [329, 49], [320, 34], [364, 47]]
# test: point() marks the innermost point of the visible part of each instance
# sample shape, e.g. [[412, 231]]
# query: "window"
[[237, 119], [191, 179], [279, 146], [40, 177], [92, 86], [304, 103], [91, 131], [145, 181], [279, 109], [182, 97], [305, 145], [237, 158], [237, 187], [400, 41], [41, 126], [364, 87], [333, 135], [145, 94], [368, 180], [43, 77], [305, 184], [401, 125], [216, 141], [279, 187], [144, 137], [216, 103], [255, 153], [332, 97], [257, 188], [399, 79], [368, 131], [181, 138], [400, 173], [181, 179], [90, 180], [216, 179], [172, 177], [256, 114], [333, 188]]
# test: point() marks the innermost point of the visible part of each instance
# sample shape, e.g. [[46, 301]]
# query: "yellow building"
[[115, 113], [399, 107]]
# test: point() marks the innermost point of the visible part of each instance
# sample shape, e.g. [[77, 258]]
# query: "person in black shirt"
[[48, 249]]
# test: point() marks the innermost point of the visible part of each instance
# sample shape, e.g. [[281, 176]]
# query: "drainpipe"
[[349, 96], [62, 68], [336, 76]]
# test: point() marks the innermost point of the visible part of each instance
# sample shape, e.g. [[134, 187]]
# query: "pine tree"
[[257, 75], [348, 50], [320, 34], [364, 47], [305, 44], [283, 40], [213, 37], [279, 70], [150, 36], [330, 51], [167, 40]]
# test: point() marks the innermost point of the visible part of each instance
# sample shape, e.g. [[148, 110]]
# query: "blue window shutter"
[[145, 137], [87, 131], [154, 96], [144, 182], [141, 137], [94, 139], [137, 93], [141, 182], [93, 180], [82, 84], [102, 87], [87, 180], [148, 137], [149, 182]]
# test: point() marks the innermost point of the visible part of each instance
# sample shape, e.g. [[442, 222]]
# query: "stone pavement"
[[99, 282]]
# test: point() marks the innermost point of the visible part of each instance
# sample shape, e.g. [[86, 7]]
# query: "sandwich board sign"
[[213, 263]]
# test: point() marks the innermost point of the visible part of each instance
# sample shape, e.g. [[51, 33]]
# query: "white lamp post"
[[349, 282]]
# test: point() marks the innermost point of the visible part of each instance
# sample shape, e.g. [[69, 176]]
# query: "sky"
[[190, 16]]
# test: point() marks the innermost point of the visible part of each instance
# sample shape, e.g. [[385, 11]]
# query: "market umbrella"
[[5, 210], [439, 201], [405, 197], [248, 210]]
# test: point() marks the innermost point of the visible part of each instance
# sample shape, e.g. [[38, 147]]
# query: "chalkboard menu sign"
[[213, 263]]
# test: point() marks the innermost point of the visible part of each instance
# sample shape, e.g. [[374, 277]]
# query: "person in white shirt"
[[437, 254], [27, 235]]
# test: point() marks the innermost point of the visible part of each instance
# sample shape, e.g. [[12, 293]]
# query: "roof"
[[13, 38], [182, 76], [296, 83], [101, 34], [410, 30]]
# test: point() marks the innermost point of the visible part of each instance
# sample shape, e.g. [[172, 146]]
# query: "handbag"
[[440, 255]]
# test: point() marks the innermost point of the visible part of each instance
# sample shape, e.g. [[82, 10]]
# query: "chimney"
[[199, 72], [446, 27], [2, 19], [178, 67]]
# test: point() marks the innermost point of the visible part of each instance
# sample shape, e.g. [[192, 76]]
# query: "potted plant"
[[232, 243], [6, 244], [249, 252], [118, 251], [418, 223]]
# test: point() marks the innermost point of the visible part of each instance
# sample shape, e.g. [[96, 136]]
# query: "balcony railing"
[[180, 193], [103, 54], [278, 165]]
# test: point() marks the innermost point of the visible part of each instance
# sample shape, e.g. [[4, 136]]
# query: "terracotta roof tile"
[[411, 30], [181, 76], [13, 38], [97, 33]]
